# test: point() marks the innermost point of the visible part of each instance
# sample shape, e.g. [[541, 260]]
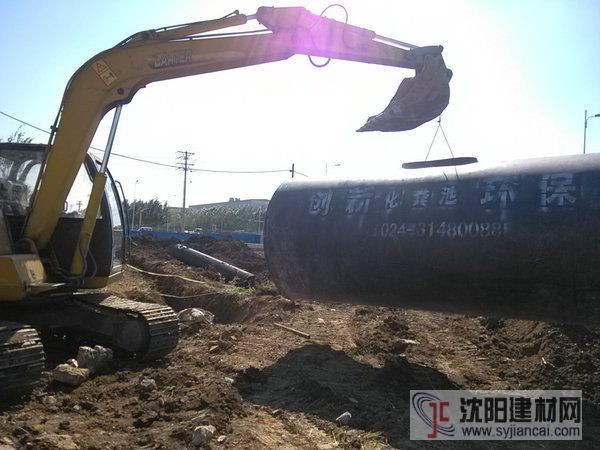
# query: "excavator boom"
[[113, 77]]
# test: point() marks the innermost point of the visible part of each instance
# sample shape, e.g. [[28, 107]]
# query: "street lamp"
[[133, 205], [585, 127]]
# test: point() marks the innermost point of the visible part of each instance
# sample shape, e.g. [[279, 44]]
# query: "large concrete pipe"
[[520, 239]]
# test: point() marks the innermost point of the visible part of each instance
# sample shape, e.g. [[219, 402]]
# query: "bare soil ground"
[[262, 387]]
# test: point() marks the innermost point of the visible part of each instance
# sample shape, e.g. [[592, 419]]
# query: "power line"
[[47, 132], [171, 166], [24, 123], [91, 147], [239, 171], [138, 159], [202, 170]]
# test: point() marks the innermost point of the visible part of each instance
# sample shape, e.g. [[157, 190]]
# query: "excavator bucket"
[[419, 99]]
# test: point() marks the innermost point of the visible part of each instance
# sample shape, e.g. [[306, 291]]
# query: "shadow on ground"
[[318, 380]]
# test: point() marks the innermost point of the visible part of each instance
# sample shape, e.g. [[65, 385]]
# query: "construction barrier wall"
[[250, 238]]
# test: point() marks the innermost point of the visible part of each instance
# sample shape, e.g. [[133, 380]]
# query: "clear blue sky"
[[525, 71]]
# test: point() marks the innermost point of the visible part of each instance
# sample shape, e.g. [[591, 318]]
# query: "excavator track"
[[21, 358], [145, 329]]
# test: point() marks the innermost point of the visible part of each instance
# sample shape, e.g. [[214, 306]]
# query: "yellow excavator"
[[52, 251]]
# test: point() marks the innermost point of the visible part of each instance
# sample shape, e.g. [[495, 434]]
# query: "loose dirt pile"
[[261, 387]]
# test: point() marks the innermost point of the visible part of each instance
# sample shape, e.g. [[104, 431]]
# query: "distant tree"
[[18, 136], [152, 213], [243, 218], [157, 215]]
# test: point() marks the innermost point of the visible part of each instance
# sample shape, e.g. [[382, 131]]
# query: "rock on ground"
[[93, 358], [67, 374], [203, 434], [55, 442], [146, 385]]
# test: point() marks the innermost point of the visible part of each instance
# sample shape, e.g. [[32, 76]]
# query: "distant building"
[[232, 203]]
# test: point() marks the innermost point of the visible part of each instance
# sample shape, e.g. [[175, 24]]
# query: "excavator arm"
[[112, 78]]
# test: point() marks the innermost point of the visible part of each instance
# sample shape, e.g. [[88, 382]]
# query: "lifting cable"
[[440, 128]]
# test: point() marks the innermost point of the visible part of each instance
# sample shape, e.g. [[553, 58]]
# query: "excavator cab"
[[20, 166], [107, 254]]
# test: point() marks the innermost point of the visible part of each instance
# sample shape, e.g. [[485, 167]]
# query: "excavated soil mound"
[[551, 356]]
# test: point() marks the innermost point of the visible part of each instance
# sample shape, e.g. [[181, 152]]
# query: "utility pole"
[[293, 170], [186, 166]]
